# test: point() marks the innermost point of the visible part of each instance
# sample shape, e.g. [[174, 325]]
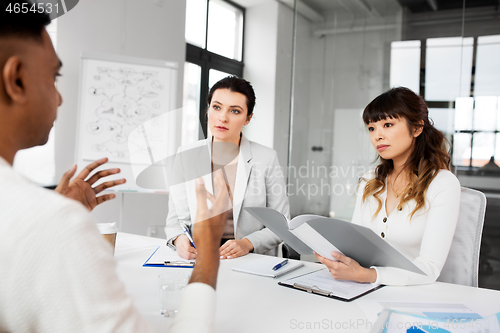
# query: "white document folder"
[[323, 235]]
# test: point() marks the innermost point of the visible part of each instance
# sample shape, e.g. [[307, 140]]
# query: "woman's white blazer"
[[259, 183]]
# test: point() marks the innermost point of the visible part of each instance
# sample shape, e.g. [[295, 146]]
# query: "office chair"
[[289, 252], [489, 245], [462, 264]]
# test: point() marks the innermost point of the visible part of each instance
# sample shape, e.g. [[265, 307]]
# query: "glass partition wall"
[[342, 61], [349, 52]]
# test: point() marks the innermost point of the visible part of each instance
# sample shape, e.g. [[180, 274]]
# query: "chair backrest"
[[462, 264]]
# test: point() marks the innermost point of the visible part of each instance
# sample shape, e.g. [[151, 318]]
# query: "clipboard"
[[164, 256], [315, 282]]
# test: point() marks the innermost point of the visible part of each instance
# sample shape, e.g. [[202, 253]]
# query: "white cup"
[[108, 230], [172, 283]]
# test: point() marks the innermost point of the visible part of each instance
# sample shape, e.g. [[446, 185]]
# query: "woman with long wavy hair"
[[411, 199]]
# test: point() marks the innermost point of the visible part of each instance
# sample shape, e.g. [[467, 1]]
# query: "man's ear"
[[12, 75]]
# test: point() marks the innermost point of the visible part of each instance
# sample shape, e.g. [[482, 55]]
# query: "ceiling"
[[387, 6], [418, 6], [381, 7], [321, 5]]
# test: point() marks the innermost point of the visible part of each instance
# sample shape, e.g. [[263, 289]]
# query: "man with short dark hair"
[[56, 271]]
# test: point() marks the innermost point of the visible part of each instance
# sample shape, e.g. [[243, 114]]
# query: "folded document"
[[323, 235]]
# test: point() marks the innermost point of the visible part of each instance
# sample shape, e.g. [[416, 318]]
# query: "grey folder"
[[355, 241]]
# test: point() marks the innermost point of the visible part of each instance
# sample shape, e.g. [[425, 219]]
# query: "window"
[[225, 33], [191, 103], [461, 84], [214, 50], [38, 163], [405, 65], [196, 22], [477, 131], [487, 80], [448, 68]]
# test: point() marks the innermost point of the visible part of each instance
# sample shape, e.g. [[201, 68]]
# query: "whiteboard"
[[117, 96]]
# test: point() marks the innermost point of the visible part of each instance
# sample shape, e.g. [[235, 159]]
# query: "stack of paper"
[[264, 267]]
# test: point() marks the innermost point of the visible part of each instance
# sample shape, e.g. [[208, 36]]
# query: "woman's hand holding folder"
[[346, 268]]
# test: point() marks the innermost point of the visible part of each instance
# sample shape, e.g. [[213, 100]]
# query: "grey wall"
[[152, 29], [304, 115], [268, 66], [261, 36], [146, 29], [282, 84]]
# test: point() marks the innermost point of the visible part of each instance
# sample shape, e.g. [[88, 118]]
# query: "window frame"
[[208, 60], [465, 169]]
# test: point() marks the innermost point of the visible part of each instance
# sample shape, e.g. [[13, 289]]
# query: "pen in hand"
[[281, 264], [188, 235]]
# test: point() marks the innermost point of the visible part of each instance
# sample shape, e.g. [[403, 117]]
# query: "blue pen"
[[281, 264], [188, 235]]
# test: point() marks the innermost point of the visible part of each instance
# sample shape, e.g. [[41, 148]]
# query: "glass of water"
[[171, 284]]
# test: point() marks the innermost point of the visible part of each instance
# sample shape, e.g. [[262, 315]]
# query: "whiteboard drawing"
[[116, 98]]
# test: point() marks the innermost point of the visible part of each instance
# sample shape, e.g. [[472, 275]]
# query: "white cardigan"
[[425, 239], [259, 183]]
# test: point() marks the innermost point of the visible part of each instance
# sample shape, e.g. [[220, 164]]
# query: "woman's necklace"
[[393, 188]]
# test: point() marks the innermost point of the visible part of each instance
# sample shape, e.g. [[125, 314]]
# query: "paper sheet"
[[315, 241], [130, 245], [169, 257]]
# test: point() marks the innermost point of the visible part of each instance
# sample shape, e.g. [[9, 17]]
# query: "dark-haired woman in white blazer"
[[254, 176]]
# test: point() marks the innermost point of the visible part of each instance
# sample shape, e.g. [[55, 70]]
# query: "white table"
[[248, 303]]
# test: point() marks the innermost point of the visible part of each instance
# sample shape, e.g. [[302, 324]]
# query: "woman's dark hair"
[[429, 149], [29, 24], [236, 84]]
